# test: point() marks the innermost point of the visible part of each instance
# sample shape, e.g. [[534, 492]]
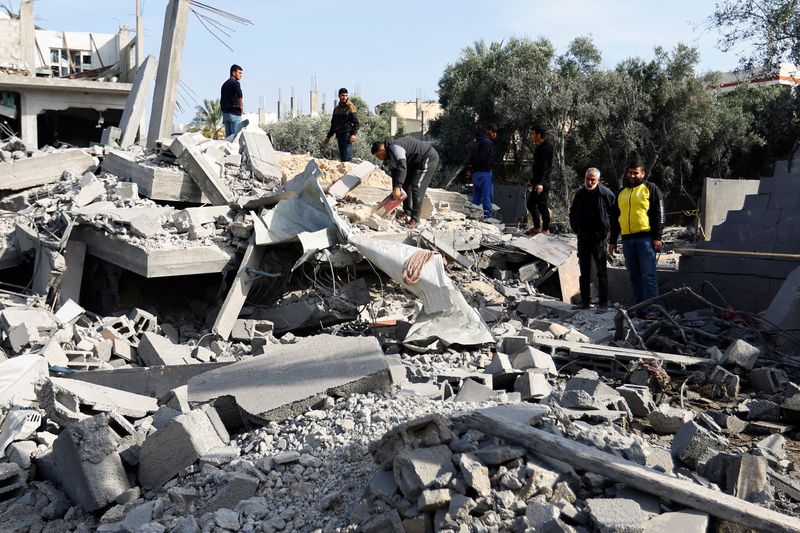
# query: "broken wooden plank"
[[570, 350], [634, 475], [237, 294]]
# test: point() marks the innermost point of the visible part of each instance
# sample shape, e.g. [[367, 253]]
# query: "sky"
[[383, 50]]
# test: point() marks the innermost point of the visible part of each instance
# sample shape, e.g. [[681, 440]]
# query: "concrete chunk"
[[475, 474], [88, 465], [239, 487], [169, 450], [532, 385], [17, 378], [472, 391], [724, 384], [742, 354], [416, 470], [156, 350], [687, 521], [261, 157], [693, 445], [12, 480], [617, 515], [351, 180], [639, 399], [35, 171], [666, 419], [746, 476], [297, 376], [531, 357], [204, 173]]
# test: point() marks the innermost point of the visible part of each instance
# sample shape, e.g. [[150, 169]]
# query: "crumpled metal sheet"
[[446, 315]]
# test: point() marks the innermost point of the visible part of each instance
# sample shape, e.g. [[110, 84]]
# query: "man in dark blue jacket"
[[480, 170], [344, 124], [590, 219], [412, 165]]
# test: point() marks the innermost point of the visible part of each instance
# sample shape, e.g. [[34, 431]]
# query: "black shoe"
[[584, 305], [602, 305]]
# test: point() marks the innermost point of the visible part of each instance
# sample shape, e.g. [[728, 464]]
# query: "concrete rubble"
[[212, 335]]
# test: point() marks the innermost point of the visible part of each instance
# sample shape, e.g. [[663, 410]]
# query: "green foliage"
[[768, 29], [208, 120], [304, 135]]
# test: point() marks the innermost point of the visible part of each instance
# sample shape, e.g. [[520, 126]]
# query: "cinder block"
[[88, 465]]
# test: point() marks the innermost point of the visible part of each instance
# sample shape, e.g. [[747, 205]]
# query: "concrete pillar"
[[137, 102], [262, 116], [139, 35], [314, 99], [392, 125], [123, 38], [176, 20], [291, 107], [280, 110], [27, 35], [28, 125], [419, 109]]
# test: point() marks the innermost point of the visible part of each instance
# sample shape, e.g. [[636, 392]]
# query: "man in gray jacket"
[[412, 165]]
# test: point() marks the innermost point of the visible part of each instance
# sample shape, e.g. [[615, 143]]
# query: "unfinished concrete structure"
[[57, 86], [753, 251]]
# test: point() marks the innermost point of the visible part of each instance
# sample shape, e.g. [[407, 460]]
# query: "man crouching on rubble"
[[638, 215], [590, 220], [412, 165]]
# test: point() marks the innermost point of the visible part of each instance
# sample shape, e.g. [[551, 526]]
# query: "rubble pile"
[[215, 336]]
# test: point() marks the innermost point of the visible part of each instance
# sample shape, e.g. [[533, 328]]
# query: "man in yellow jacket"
[[638, 215]]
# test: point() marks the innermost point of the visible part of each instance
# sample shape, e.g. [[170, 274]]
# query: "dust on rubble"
[[331, 170]]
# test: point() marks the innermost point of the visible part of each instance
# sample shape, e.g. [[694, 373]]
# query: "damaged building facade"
[[62, 86], [212, 335]]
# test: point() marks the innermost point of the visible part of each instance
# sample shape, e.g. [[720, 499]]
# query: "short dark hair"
[[377, 145], [536, 128], [492, 127], [635, 163], [235, 67], [343, 91]]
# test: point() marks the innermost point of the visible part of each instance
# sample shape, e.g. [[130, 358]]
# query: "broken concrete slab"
[[87, 463], [472, 391], [163, 183], [156, 350], [297, 375], [35, 171], [665, 419], [351, 180], [530, 357], [416, 469], [615, 515], [205, 173], [746, 476], [18, 376], [639, 399], [532, 385], [784, 310], [170, 449], [261, 156], [686, 521], [693, 445]]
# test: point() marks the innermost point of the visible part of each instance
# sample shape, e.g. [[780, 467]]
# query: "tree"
[[208, 120], [771, 27]]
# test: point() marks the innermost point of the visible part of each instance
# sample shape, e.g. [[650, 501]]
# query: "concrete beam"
[[153, 263], [168, 184], [137, 101], [176, 20], [288, 379], [229, 311], [72, 278], [32, 172], [261, 156], [205, 173]]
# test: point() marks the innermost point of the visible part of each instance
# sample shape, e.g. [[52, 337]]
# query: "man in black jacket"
[[480, 170], [539, 185], [590, 219], [231, 102], [412, 165], [344, 124]]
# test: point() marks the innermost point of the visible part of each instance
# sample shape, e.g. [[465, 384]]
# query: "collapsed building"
[[211, 335]]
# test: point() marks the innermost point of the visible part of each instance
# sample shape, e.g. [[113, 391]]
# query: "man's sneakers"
[[403, 216]]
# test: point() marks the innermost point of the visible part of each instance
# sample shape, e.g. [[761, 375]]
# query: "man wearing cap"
[[480, 170], [344, 124]]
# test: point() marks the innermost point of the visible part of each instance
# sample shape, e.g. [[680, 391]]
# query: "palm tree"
[[208, 120]]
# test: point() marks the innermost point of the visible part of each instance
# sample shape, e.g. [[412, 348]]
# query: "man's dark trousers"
[[593, 248], [537, 206], [416, 184], [345, 147]]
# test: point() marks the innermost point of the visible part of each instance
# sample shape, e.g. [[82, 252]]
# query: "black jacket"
[[542, 163], [482, 152], [344, 120], [406, 154], [230, 94], [581, 212]]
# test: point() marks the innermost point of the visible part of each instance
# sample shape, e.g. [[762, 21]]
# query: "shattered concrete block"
[[686, 521], [178, 445], [541, 516], [475, 474], [532, 385], [639, 399], [20, 453], [724, 384], [774, 445], [529, 272], [511, 344], [88, 465], [500, 365], [143, 322], [742, 354], [762, 410], [531, 357], [238, 487], [146, 225], [768, 380], [746, 476], [155, 350], [472, 391], [110, 136], [12, 480], [127, 191], [433, 499], [693, 445], [22, 336], [91, 189], [417, 469], [428, 430], [616, 515], [248, 329], [499, 454], [68, 312], [589, 381], [665, 419]]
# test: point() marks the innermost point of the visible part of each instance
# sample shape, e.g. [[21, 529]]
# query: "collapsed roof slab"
[[34, 171], [153, 263], [166, 184], [288, 379], [137, 101]]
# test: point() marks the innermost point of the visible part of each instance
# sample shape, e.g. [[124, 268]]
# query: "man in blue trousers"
[[480, 169]]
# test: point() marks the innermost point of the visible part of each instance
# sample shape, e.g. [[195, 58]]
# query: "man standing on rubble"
[[344, 124], [480, 170], [590, 219], [638, 215], [412, 165], [539, 185], [231, 102]]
